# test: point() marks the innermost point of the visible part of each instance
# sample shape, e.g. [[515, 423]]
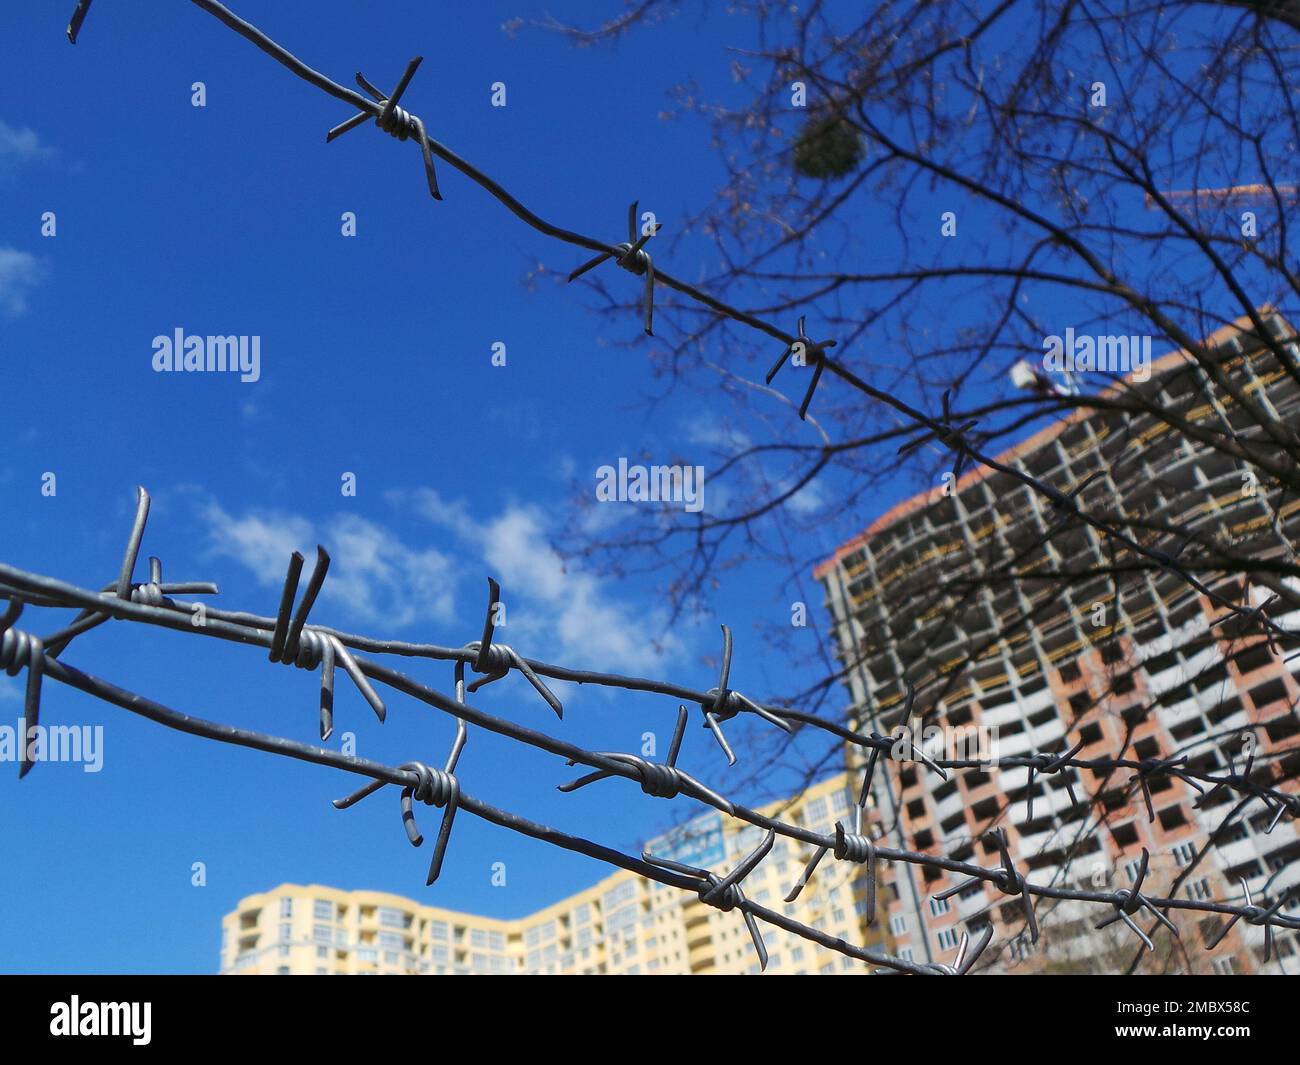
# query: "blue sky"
[[375, 359]]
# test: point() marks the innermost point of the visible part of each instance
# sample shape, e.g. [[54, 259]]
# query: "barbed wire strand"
[[289, 638]]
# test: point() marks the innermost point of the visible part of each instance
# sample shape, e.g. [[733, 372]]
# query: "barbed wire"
[[943, 430], [290, 639]]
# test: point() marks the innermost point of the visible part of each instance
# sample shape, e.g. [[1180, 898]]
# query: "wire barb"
[[1128, 901], [724, 893], [848, 847], [949, 435], [965, 961], [497, 659], [1254, 915], [393, 120], [631, 256], [662, 780], [1011, 882], [434, 787], [78, 17], [722, 704], [806, 349], [296, 644], [19, 649]]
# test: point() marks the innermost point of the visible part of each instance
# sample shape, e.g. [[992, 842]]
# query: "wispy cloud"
[[808, 500], [20, 272], [18, 146], [553, 608], [557, 607], [373, 575]]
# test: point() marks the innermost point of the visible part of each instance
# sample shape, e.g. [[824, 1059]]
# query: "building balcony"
[[1234, 854], [951, 805], [967, 908], [1179, 713]]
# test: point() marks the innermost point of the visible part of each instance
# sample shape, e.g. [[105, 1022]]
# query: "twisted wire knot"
[[311, 649], [498, 657], [1150, 766], [814, 353], [18, 650], [853, 848], [150, 594], [1256, 915], [496, 660], [1009, 881], [399, 122], [725, 900], [660, 781], [727, 707], [633, 259], [721, 704], [295, 643], [1128, 900], [947, 433], [725, 894], [433, 787]]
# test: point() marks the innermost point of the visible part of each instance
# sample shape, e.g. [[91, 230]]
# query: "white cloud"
[[452, 515], [373, 575], [808, 500], [20, 272], [724, 438], [552, 609], [380, 577], [20, 146], [558, 609], [592, 626]]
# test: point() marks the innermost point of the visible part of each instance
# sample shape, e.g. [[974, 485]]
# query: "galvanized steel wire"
[[285, 635]]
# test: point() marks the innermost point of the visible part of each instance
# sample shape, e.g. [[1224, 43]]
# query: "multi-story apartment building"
[[1132, 660], [623, 924]]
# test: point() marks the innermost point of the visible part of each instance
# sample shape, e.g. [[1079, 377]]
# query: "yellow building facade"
[[623, 924]]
